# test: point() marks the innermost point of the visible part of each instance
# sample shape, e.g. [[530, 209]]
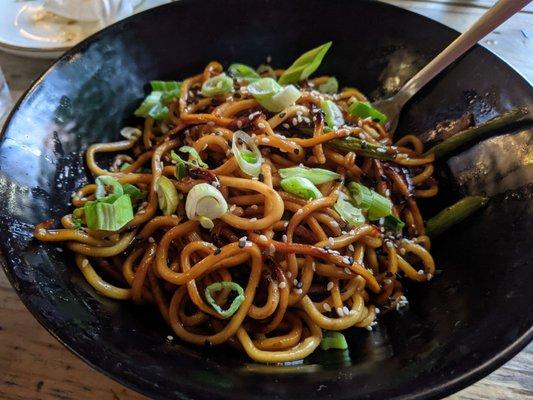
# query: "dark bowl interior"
[[470, 319]]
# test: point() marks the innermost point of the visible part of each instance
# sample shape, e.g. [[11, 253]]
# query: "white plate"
[[27, 33]]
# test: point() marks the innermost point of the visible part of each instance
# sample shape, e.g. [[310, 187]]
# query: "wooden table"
[[35, 366]]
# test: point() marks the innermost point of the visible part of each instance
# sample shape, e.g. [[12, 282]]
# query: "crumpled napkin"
[[104, 11]]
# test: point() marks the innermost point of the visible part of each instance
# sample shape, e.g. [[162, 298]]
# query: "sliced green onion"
[[153, 106], [332, 112], [454, 214], [393, 223], [331, 86], [348, 212], [272, 95], [180, 165], [250, 159], [364, 110], [108, 214], [315, 175], [165, 86], [205, 203], [304, 65], [267, 71], [216, 85], [301, 187], [124, 166], [377, 205], [167, 196], [194, 158], [235, 304], [133, 191], [333, 340], [243, 72], [77, 223], [285, 98], [131, 133], [105, 180]]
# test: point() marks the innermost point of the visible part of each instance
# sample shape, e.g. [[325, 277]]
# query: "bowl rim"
[[441, 390]]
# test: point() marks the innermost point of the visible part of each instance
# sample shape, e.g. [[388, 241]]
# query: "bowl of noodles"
[[200, 209]]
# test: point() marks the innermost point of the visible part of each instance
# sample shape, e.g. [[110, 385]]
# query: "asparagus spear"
[[447, 146], [454, 214], [362, 147]]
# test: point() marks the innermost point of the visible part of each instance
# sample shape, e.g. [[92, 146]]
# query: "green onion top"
[[167, 196], [331, 86], [235, 304], [301, 187], [364, 110], [315, 175], [243, 72], [216, 85], [304, 65], [194, 158], [332, 113], [348, 212], [376, 205], [249, 159], [333, 340]]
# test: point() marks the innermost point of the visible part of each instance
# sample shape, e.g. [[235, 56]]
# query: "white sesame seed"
[[420, 272], [387, 192], [284, 238], [282, 285], [300, 211], [330, 286], [313, 266], [248, 244], [389, 244], [339, 311], [351, 248], [298, 291], [263, 238], [286, 126], [429, 276], [387, 281], [142, 211], [295, 282], [345, 310], [169, 337], [348, 271], [243, 239], [294, 121], [261, 125], [265, 140], [368, 328], [326, 307], [402, 251], [289, 274], [85, 262], [346, 260], [286, 224], [377, 310], [151, 240], [254, 206], [331, 241]]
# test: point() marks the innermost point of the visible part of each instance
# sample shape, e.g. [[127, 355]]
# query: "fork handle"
[[494, 17]]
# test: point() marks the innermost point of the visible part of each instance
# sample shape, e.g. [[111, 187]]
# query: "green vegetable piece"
[[365, 110], [331, 86], [469, 135], [301, 187], [333, 340], [217, 85], [235, 304], [333, 114], [167, 196], [194, 158], [454, 214], [243, 72], [108, 214], [181, 165], [104, 181], [350, 214], [393, 223], [304, 65], [376, 205], [315, 175]]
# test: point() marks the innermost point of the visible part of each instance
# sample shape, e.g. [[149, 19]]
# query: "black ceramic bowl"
[[469, 320]]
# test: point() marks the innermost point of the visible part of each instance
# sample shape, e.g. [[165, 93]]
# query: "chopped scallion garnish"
[[331, 86], [105, 181], [110, 213], [332, 113], [375, 204], [249, 159], [205, 203], [180, 165], [304, 65], [167, 196], [301, 187], [333, 340], [315, 175], [348, 212], [235, 304], [194, 158], [364, 110], [217, 85], [243, 72], [272, 95]]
